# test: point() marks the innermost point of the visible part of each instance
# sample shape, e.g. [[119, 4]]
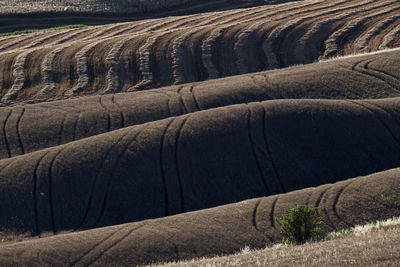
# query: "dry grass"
[[370, 244]]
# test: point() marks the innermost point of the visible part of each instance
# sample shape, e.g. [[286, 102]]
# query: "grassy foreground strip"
[[66, 27], [373, 243]]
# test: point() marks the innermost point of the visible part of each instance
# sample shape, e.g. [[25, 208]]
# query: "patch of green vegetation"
[[300, 225], [74, 26]]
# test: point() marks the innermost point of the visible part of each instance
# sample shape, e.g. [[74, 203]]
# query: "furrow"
[[332, 44], [36, 231], [252, 146], [109, 180], [181, 99], [194, 98], [164, 181], [92, 249], [16, 41], [272, 212], [318, 27], [19, 74], [122, 116], [60, 132], [243, 48], [18, 130], [96, 181], [207, 56], [336, 200], [321, 208], [108, 113], [5, 133], [50, 190], [388, 79], [365, 106], [82, 69], [272, 41], [254, 222], [176, 154], [268, 149], [47, 71], [145, 53], [71, 36], [179, 60], [40, 41], [113, 244], [389, 38], [112, 62], [363, 42]]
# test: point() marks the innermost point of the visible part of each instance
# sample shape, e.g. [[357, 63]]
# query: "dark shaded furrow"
[[272, 213], [5, 133], [110, 179], [95, 181], [34, 194], [335, 202], [178, 172], [253, 147], [267, 147], [50, 190], [164, 181], [18, 131]]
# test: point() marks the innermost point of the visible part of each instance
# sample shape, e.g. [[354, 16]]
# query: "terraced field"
[[179, 137]]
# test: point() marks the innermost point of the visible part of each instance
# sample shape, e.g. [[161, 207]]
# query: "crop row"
[[152, 53]]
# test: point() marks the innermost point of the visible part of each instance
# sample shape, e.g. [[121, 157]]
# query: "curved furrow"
[[73, 35], [245, 60], [82, 68], [332, 44], [207, 56], [112, 63], [144, 65], [224, 16], [16, 41], [274, 37], [389, 38], [181, 62], [362, 43], [19, 74], [46, 38], [47, 71], [270, 16], [320, 26], [362, 67]]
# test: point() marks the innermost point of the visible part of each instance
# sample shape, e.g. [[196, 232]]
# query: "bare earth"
[[180, 137]]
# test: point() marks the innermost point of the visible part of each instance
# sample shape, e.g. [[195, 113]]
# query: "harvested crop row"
[[198, 47], [215, 231], [49, 124], [193, 161]]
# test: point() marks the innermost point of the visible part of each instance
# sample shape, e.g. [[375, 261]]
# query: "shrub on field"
[[300, 225]]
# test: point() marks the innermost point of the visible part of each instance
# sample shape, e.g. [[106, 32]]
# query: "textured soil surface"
[[180, 137]]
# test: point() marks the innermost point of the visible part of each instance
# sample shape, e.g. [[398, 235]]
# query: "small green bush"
[[300, 225]]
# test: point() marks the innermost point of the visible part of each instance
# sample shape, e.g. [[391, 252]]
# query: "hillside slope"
[[220, 230]]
